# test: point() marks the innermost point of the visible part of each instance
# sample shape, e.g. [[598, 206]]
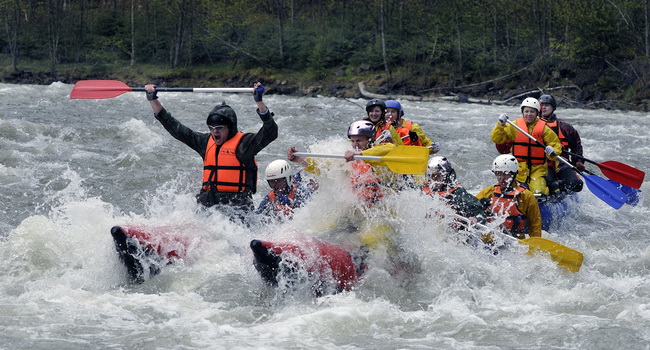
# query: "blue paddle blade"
[[631, 193], [604, 190]]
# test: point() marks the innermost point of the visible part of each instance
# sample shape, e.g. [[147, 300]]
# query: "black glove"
[[257, 94], [414, 136], [152, 95]]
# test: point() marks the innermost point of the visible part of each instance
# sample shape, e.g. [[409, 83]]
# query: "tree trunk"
[[53, 26], [647, 31], [382, 31], [132, 33], [11, 12], [277, 8], [458, 40], [178, 40]]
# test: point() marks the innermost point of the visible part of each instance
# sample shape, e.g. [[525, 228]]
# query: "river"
[[72, 169]]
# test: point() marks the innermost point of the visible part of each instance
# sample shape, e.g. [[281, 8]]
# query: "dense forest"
[[594, 52]]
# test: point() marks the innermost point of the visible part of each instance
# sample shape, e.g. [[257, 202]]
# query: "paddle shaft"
[[543, 145], [197, 89], [340, 156], [98, 89]]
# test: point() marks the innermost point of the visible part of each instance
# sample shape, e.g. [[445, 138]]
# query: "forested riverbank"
[[591, 54]]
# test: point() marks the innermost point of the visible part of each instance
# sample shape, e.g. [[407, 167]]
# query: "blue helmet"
[[396, 105]]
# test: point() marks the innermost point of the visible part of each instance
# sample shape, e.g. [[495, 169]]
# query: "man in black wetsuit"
[[229, 166]]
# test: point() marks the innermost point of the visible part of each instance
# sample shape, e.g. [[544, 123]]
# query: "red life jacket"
[[365, 182], [527, 150], [516, 223], [283, 208], [222, 171]]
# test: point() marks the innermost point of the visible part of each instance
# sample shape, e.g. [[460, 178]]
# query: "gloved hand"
[[152, 95], [435, 147], [284, 200], [549, 150], [503, 119], [384, 137], [580, 165], [258, 92], [387, 136], [413, 136]]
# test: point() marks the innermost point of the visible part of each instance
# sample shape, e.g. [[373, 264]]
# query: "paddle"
[[619, 172], [563, 255], [632, 194], [411, 160], [600, 187], [88, 89]]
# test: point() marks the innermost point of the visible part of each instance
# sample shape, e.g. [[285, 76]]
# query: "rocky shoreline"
[[491, 92]]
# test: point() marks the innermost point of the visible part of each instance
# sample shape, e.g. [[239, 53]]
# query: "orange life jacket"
[[365, 182], [283, 208], [502, 204], [224, 172], [527, 150], [404, 131]]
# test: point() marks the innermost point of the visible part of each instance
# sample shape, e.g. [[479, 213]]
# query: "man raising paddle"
[[229, 166]]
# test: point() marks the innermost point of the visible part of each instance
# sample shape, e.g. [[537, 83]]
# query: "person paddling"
[[229, 166], [530, 155], [288, 192], [511, 201], [564, 178]]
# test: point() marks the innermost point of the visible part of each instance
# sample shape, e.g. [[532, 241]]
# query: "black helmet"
[[223, 115], [375, 102], [548, 99]]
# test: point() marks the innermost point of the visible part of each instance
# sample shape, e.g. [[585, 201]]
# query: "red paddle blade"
[[98, 89], [622, 173]]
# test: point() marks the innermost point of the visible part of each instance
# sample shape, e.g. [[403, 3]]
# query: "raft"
[[555, 208], [327, 268], [145, 250]]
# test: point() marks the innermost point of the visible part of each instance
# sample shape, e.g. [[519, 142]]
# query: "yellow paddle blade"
[[410, 160], [563, 255]]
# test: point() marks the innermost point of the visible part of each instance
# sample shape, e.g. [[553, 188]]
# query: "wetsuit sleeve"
[[468, 205], [426, 142], [529, 207], [501, 134], [253, 143], [196, 141]]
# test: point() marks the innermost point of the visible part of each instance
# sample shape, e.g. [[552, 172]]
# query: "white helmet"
[[439, 165], [278, 169], [506, 163], [530, 102], [362, 127]]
